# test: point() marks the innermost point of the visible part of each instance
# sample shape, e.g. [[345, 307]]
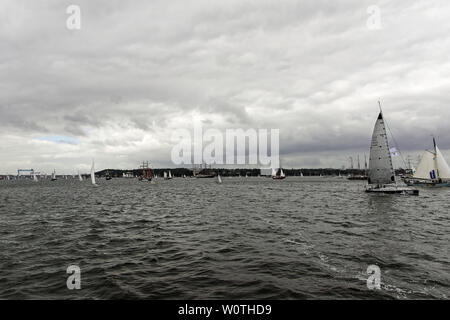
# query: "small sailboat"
[[165, 175], [433, 170], [79, 176], [53, 175], [381, 171], [93, 173], [279, 175], [35, 179], [170, 175], [219, 179]]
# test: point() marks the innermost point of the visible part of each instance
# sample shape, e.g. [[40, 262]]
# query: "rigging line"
[[395, 143]]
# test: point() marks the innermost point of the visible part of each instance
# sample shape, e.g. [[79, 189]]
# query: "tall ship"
[[381, 177], [433, 170], [147, 174], [204, 172], [354, 176]]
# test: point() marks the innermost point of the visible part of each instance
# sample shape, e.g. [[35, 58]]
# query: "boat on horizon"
[[147, 174], [381, 171], [205, 173], [53, 176], [278, 174], [93, 173]]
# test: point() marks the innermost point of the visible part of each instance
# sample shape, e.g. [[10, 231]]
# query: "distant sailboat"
[[165, 175], [381, 171], [79, 176], [53, 176], [279, 175], [433, 170], [35, 179], [93, 173], [170, 175], [219, 179]]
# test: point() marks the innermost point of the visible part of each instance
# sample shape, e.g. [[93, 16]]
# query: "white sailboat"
[[53, 176], [79, 176], [93, 173], [277, 176], [381, 171], [35, 179], [165, 175], [274, 172], [170, 175], [433, 170], [219, 179]]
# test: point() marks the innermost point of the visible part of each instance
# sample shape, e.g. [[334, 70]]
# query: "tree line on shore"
[[235, 172]]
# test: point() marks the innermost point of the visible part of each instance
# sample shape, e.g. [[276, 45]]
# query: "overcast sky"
[[137, 70]]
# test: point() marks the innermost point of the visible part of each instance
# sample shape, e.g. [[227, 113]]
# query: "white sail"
[[53, 175], [301, 174], [170, 175], [442, 165], [92, 173], [35, 177], [79, 176], [165, 175], [219, 179], [381, 170], [426, 166], [282, 173], [274, 172], [432, 166]]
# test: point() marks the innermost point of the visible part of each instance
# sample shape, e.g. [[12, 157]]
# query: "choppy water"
[[249, 238]]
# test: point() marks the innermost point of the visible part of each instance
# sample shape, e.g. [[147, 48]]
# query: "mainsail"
[[426, 167], [92, 173], [432, 166], [442, 165], [381, 170]]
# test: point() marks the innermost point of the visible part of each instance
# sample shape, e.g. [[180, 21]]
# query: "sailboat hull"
[[431, 184], [392, 190]]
